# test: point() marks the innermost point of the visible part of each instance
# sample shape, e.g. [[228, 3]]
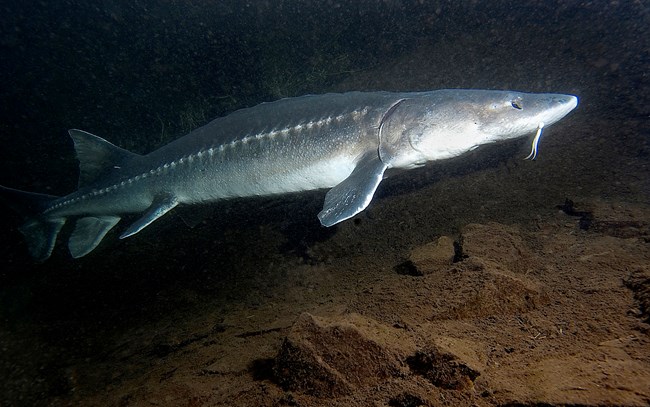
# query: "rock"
[[433, 256], [499, 294], [329, 358], [639, 282], [449, 363], [498, 246], [491, 277], [622, 220]]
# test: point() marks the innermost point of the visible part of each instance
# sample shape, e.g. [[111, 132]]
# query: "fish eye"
[[516, 103]]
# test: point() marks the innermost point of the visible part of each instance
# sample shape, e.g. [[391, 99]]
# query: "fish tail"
[[40, 231]]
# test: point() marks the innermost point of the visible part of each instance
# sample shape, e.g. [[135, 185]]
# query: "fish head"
[[442, 124]]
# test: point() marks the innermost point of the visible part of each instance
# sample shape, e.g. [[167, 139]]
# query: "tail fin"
[[40, 232]]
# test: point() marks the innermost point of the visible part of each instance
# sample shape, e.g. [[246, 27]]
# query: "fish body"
[[340, 141]]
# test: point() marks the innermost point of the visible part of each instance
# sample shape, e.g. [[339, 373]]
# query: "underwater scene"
[[325, 203]]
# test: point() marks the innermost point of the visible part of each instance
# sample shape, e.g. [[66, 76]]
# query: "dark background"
[[141, 73]]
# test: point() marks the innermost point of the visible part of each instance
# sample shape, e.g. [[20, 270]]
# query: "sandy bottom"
[[501, 314], [554, 312]]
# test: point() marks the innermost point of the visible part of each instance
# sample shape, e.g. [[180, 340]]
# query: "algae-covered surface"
[[483, 280]]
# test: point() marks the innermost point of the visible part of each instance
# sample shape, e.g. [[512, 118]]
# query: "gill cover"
[[404, 120]]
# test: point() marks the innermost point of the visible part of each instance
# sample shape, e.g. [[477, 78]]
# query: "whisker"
[[533, 151]]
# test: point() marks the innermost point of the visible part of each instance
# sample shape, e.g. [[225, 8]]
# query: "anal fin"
[[160, 206], [355, 192], [88, 232]]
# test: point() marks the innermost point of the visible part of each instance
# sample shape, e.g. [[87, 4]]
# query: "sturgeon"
[[340, 141]]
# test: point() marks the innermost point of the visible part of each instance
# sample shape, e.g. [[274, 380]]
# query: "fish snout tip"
[[573, 100], [570, 101], [562, 104]]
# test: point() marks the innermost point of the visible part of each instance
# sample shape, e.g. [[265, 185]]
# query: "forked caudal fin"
[[97, 157], [40, 232]]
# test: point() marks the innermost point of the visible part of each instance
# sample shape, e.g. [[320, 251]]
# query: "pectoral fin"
[[158, 208], [355, 192]]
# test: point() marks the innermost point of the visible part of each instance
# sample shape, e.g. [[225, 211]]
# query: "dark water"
[[143, 73]]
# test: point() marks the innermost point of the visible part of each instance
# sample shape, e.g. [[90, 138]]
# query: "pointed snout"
[[568, 101], [559, 105]]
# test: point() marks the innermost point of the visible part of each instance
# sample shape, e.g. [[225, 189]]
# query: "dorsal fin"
[[96, 156]]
